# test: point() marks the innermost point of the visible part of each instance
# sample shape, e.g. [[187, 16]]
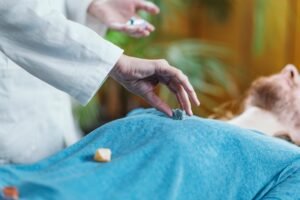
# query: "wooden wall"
[[262, 40], [280, 23]]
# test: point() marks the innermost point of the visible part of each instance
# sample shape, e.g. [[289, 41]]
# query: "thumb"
[[117, 26], [157, 103], [126, 28]]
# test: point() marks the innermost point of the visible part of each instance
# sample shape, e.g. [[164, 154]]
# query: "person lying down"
[[272, 105], [153, 156]]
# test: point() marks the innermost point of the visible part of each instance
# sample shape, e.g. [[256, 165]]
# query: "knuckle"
[[184, 77], [191, 90], [163, 62], [179, 73]]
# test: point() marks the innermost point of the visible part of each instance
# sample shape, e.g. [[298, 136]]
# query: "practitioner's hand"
[[141, 76], [116, 13]]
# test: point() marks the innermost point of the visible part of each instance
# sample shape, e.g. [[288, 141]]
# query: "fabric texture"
[[77, 10], [156, 157]]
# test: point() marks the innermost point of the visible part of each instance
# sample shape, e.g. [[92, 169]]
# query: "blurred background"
[[222, 45]]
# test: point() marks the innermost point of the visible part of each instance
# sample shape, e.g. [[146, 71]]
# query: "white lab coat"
[[44, 58]]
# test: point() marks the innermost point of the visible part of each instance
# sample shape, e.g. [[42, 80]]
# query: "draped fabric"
[[155, 157]]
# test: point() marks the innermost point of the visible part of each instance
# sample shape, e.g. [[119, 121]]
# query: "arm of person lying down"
[[64, 54], [287, 189]]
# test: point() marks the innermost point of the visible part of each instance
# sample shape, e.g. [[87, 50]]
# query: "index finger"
[[148, 7], [157, 103], [184, 81], [174, 74], [134, 31]]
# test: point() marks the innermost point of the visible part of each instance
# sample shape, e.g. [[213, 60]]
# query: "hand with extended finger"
[[141, 76], [121, 15]]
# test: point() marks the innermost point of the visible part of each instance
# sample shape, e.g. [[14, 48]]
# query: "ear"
[[290, 71], [295, 138], [283, 135]]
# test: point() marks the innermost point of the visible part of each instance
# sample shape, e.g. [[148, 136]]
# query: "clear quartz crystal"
[[136, 22]]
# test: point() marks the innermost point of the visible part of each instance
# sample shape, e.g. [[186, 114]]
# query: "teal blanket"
[[155, 157]]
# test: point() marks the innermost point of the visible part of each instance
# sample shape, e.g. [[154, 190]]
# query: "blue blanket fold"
[[155, 157]]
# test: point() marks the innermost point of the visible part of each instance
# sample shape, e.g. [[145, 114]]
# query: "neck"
[[258, 119]]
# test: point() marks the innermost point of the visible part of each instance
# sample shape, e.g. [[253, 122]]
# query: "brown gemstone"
[[11, 192]]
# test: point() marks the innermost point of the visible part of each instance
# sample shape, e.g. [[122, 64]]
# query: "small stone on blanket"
[[10, 193], [102, 155], [178, 114]]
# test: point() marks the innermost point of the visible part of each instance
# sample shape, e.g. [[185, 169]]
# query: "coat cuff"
[[94, 79]]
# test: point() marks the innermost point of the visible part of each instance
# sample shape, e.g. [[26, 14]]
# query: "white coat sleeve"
[[77, 10], [64, 54]]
